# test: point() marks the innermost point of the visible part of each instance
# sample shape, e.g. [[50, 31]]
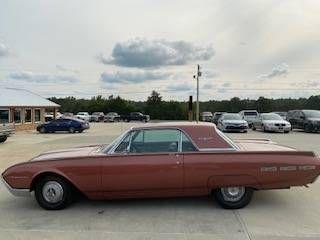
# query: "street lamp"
[[197, 78]]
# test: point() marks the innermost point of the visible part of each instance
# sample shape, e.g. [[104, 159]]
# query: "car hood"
[[275, 121], [234, 121], [261, 145], [67, 153]]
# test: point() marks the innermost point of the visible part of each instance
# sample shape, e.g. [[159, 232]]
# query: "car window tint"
[[187, 145], [123, 146], [160, 140]]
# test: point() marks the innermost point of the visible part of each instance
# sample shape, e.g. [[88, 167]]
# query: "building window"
[[37, 115], [27, 116], [4, 116], [17, 116]]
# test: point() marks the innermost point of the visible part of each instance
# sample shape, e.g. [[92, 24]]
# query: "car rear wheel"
[[3, 138], [308, 128], [233, 197], [53, 193], [43, 130], [71, 130]]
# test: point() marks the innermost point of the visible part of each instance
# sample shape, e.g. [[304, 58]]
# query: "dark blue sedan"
[[63, 124]]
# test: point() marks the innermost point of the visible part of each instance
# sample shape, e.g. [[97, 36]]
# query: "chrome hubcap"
[[232, 194], [52, 192]]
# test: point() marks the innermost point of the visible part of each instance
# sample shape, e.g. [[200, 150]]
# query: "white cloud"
[[280, 70], [183, 87], [143, 53], [133, 76], [42, 77]]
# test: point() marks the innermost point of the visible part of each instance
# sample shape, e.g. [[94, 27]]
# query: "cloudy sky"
[[128, 48]]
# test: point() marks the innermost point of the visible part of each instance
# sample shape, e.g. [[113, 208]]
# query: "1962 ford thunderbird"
[[164, 160]]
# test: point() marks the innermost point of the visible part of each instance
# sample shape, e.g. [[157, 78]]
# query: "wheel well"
[[45, 174]]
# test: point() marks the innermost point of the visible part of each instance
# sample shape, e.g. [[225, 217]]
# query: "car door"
[[146, 163], [300, 119]]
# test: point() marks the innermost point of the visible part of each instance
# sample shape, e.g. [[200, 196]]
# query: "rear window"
[[250, 113]]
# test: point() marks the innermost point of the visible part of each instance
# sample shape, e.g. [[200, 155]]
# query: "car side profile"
[[63, 125], [271, 122], [136, 116], [163, 160], [308, 120]]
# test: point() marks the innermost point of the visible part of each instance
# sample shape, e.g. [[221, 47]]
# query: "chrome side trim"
[[25, 192], [217, 149]]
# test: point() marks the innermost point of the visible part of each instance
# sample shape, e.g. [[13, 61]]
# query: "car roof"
[[176, 124], [203, 134]]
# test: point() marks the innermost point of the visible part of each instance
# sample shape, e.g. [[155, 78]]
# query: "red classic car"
[[164, 160]]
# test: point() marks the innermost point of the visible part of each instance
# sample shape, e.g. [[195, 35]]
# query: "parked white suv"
[[85, 116], [250, 116]]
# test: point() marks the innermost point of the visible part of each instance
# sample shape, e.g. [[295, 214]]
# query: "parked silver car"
[[232, 122], [206, 116], [112, 117], [271, 122]]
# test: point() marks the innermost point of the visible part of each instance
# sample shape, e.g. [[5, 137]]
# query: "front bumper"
[[18, 192], [239, 128], [277, 128]]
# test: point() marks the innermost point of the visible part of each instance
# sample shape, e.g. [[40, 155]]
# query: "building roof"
[[13, 97]]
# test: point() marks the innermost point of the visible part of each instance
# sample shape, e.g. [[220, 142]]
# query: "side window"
[[187, 145], [123, 146], [160, 140]]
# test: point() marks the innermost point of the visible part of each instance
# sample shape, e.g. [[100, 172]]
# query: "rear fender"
[[219, 181]]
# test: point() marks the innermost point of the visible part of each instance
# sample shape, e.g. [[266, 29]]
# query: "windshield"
[[312, 113], [271, 116], [106, 148], [232, 117]]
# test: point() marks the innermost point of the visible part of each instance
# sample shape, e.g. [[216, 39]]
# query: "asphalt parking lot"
[[277, 214]]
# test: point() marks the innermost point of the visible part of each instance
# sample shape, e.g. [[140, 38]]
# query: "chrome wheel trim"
[[233, 194], [52, 192]]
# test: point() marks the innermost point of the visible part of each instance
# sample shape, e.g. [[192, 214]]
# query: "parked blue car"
[[63, 124]]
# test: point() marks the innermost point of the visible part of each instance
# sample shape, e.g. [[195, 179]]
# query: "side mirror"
[[302, 117]]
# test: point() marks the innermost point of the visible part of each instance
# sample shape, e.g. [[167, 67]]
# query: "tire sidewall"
[[244, 201], [66, 198], [3, 139], [72, 130]]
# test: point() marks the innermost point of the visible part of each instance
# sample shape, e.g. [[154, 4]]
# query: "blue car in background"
[[63, 124]]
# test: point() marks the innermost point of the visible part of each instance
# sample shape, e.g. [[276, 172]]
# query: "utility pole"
[[197, 78]]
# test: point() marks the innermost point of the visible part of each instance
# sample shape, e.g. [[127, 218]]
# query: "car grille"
[[280, 124]]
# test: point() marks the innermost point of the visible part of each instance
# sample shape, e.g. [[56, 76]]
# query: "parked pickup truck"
[[135, 116], [6, 130]]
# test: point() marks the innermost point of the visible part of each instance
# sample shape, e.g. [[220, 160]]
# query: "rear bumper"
[[25, 192]]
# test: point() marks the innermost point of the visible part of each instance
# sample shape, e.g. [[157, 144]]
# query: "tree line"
[[157, 108]]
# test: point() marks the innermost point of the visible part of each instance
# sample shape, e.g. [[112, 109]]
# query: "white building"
[[24, 108]]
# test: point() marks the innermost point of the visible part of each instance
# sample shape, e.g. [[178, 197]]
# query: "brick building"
[[24, 108]]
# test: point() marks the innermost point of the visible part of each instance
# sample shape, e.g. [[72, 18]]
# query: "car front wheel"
[[3, 138], [233, 197], [53, 193]]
